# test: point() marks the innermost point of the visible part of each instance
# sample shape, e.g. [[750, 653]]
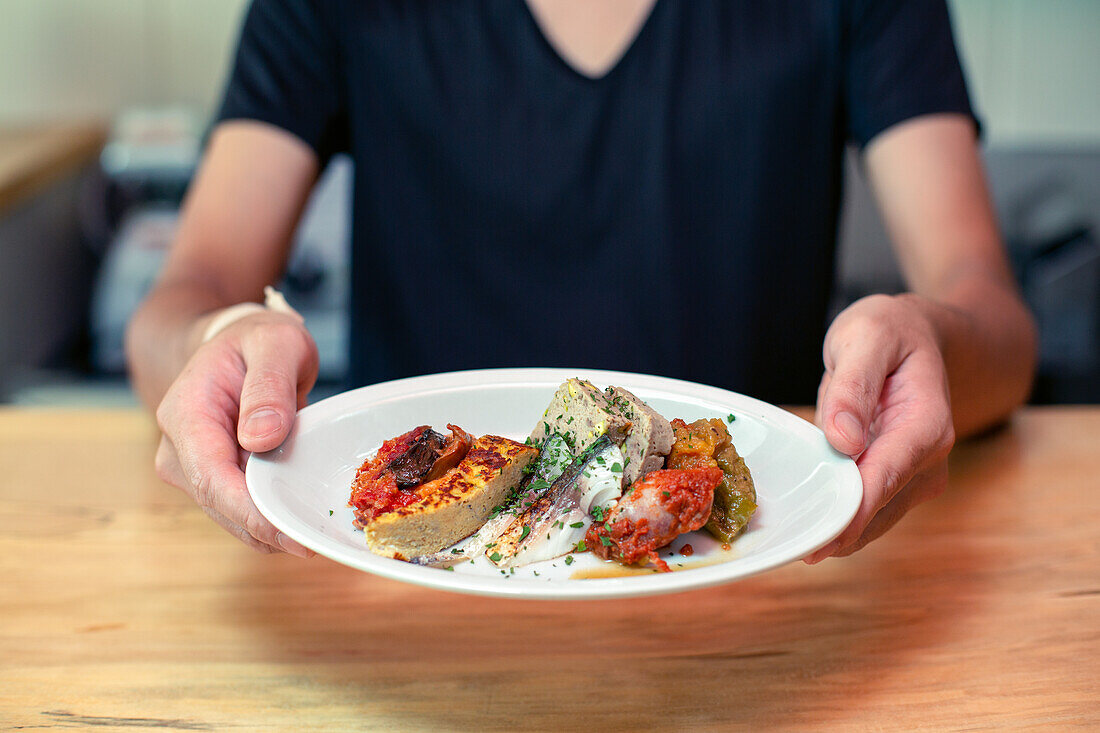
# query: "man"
[[620, 184]]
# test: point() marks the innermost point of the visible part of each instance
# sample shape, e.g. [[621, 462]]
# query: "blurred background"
[[103, 105]]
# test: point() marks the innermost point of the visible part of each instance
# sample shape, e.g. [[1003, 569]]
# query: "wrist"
[[274, 302], [936, 319], [194, 337], [209, 325]]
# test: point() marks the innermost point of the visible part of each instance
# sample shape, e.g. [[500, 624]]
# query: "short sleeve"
[[901, 63], [287, 73]]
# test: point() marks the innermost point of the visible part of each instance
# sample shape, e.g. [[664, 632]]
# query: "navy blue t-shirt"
[[677, 216]]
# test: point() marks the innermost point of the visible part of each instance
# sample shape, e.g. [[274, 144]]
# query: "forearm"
[[928, 179], [234, 237], [988, 340], [165, 331]]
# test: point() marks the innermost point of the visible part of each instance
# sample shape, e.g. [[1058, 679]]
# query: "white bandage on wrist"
[[273, 301]]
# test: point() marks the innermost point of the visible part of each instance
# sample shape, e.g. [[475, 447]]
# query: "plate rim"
[[850, 485]]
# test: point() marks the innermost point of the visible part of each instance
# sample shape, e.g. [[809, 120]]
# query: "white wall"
[[1034, 65], [1034, 69], [90, 58]]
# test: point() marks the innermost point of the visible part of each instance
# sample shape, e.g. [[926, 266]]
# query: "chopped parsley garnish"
[[568, 559], [616, 467], [509, 502], [581, 547], [577, 525], [449, 567], [605, 541], [526, 531], [665, 493], [456, 551], [731, 417], [330, 512], [494, 557]]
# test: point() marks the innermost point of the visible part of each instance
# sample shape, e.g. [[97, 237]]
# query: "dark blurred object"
[[46, 268], [1057, 261]]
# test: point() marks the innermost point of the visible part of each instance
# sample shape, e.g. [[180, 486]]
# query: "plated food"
[[600, 472], [806, 492]]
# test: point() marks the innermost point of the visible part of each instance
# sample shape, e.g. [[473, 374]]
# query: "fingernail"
[[292, 547], [850, 427], [263, 422]]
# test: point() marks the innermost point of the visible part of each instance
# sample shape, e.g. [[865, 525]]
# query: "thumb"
[[848, 402], [280, 367]]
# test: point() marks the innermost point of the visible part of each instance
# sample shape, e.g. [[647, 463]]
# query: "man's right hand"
[[238, 393]]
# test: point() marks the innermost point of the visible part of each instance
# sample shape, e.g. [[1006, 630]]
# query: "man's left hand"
[[884, 401]]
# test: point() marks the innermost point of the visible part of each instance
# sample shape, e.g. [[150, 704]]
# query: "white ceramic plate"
[[807, 492]]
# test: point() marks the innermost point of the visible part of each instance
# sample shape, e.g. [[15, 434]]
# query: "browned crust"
[[487, 458], [456, 504]]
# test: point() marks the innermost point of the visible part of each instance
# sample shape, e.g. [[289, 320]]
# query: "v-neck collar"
[[558, 59]]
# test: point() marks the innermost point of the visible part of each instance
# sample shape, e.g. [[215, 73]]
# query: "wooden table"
[[123, 607]]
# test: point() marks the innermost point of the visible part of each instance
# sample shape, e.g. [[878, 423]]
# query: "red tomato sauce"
[[375, 490], [658, 507]]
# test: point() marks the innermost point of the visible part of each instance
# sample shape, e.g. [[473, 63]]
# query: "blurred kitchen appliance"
[[148, 164], [153, 147]]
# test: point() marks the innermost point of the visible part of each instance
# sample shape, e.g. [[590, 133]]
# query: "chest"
[[591, 37], [475, 94], [569, 51]]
